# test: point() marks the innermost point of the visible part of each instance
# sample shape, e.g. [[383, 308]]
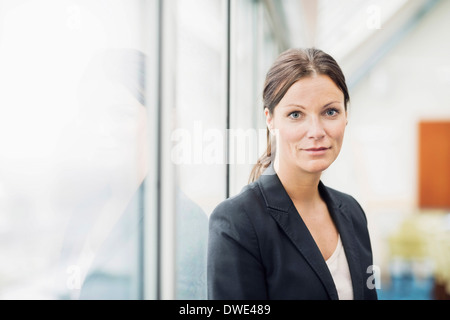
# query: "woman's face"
[[309, 124]]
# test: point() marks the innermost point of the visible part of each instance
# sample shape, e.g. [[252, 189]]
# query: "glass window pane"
[[254, 49], [72, 140], [199, 136]]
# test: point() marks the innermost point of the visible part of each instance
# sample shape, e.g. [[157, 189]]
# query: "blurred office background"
[[123, 123]]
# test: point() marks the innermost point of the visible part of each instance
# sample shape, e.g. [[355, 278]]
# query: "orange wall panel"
[[434, 164]]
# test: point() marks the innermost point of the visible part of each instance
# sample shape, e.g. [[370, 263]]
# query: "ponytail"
[[264, 161], [291, 66]]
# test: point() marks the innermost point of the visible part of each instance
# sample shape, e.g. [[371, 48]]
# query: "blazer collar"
[[277, 198], [282, 209]]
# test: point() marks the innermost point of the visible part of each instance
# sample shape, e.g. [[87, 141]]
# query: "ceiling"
[[357, 33]]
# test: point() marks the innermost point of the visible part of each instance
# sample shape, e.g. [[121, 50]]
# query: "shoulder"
[[242, 214], [235, 221], [236, 207]]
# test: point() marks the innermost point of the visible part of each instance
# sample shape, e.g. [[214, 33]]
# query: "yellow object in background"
[[420, 247]]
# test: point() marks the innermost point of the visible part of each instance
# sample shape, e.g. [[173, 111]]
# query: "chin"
[[315, 167]]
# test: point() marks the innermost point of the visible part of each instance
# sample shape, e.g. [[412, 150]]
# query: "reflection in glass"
[[200, 106], [72, 130]]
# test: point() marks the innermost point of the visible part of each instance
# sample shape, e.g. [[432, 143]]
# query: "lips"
[[316, 149], [317, 152]]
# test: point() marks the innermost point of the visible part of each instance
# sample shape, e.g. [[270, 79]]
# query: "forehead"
[[312, 91]]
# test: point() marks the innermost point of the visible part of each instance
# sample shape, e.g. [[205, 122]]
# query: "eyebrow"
[[302, 107], [294, 105]]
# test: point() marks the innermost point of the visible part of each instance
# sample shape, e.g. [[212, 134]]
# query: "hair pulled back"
[[291, 66]]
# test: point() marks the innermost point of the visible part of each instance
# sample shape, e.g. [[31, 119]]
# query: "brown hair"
[[291, 66]]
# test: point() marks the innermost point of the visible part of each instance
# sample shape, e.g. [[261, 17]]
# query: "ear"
[[269, 119]]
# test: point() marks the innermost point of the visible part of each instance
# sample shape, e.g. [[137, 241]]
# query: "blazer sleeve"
[[234, 268]]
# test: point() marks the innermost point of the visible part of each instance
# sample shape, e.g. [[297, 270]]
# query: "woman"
[[286, 235]]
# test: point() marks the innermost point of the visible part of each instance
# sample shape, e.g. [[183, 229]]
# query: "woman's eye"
[[332, 112], [294, 115]]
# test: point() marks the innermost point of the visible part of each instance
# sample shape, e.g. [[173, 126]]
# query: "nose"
[[316, 130]]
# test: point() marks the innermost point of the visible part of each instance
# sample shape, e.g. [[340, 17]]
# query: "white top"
[[338, 266]]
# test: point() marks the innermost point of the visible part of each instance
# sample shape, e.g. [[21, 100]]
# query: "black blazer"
[[259, 247]]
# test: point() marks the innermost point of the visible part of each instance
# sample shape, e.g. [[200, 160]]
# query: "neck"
[[301, 186]]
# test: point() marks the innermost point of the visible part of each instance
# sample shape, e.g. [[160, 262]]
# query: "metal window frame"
[[158, 271], [151, 202]]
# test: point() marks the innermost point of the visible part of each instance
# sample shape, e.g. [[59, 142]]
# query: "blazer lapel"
[[342, 218], [285, 214]]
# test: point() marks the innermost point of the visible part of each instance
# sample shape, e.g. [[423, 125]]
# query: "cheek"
[[287, 132], [336, 131], [290, 135]]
